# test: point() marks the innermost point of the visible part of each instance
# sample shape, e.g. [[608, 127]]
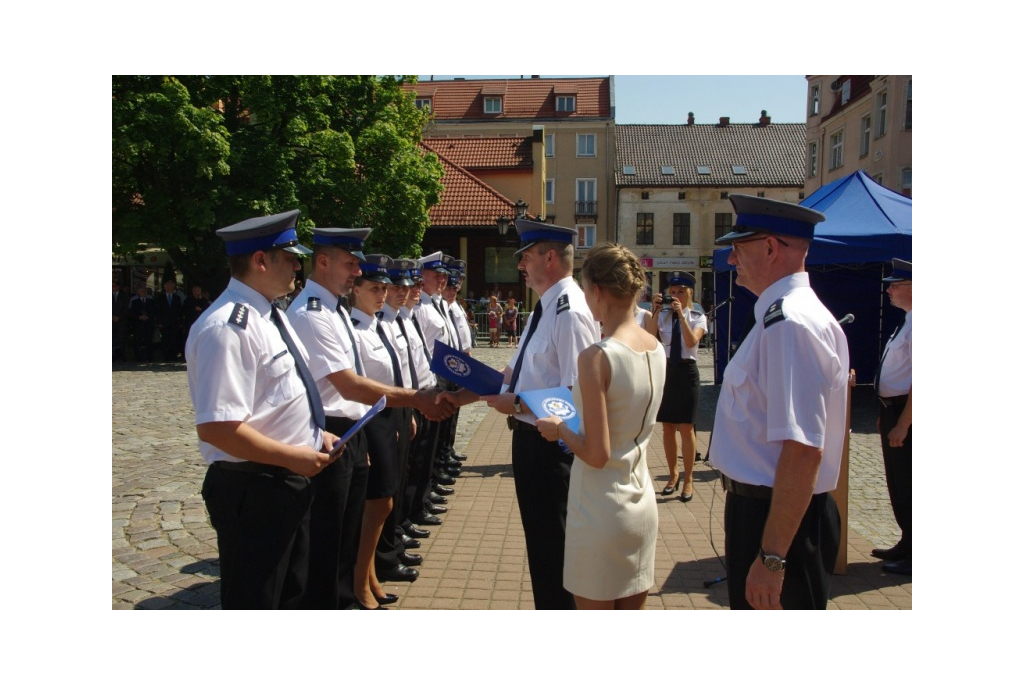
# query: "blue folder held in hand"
[[462, 369], [358, 425], [553, 402]]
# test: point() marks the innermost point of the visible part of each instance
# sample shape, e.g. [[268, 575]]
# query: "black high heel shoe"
[[686, 497], [388, 598], [670, 489]]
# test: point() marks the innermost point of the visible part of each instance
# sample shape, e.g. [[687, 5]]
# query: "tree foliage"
[[192, 154]]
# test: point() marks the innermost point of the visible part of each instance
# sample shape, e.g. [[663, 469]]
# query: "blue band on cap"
[[681, 281], [263, 242], [539, 236], [800, 229], [900, 274], [368, 268], [399, 273], [340, 240], [436, 264]]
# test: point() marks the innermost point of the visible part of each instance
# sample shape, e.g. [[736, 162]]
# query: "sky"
[[667, 99]]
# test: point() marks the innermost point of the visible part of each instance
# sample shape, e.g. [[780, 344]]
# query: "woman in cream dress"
[[612, 520]]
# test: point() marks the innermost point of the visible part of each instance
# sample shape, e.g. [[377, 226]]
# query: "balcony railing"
[[586, 208]]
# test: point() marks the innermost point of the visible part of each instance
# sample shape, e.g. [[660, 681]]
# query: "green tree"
[[194, 153]]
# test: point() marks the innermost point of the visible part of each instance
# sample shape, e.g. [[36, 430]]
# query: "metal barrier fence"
[[483, 333]]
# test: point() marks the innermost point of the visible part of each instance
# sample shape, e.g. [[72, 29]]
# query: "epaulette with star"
[[774, 314], [239, 316], [563, 304]]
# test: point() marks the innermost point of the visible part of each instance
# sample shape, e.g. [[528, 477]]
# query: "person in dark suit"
[[169, 313], [120, 321], [141, 313], [193, 307]]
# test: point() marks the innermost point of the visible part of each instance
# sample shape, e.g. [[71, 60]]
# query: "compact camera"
[[666, 299]]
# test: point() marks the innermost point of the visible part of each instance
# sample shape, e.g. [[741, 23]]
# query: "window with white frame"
[[586, 196], [492, 105], [865, 135], [549, 144], [565, 103], [812, 159], [586, 145], [906, 108], [645, 228], [586, 236], [905, 182], [423, 103], [549, 191], [881, 108], [814, 100], [836, 146]]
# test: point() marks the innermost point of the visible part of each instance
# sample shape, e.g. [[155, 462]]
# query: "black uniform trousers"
[[336, 519], [421, 461], [810, 560], [389, 546], [898, 468], [541, 471], [261, 515]]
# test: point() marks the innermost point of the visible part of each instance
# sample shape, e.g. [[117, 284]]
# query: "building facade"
[[673, 184], [859, 123]]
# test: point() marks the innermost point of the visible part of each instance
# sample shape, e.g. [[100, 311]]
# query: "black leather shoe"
[[435, 498], [408, 542], [894, 553], [410, 559], [451, 461], [414, 532], [460, 457], [454, 473], [671, 489], [425, 519], [444, 479], [386, 599], [442, 490], [902, 567], [432, 508], [400, 573]]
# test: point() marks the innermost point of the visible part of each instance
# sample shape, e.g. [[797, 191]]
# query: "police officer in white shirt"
[[893, 387], [259, 419], [781, 417], [559, 328]]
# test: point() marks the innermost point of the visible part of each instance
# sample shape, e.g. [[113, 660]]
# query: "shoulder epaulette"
[[239, 316], [313, 304], [563, 304], [774, 314]]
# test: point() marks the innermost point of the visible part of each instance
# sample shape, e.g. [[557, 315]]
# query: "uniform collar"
[[361, 317], [778, 289], [555, 291], [390, 313], [251, 297], [314, 289]]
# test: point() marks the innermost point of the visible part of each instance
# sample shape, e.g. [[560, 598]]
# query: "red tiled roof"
[[485, 153], [466, 200], [522, 99], [772, 155]]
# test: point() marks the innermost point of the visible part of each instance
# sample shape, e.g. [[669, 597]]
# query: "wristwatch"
[[517, 405], [772, 562]]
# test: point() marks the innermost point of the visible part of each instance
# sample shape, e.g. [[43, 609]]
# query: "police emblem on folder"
[[462, 369]]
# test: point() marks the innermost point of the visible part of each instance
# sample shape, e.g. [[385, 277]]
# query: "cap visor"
[[298, 249], [524, 248], [728, 238]]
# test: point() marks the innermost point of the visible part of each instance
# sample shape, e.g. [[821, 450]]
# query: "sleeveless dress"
[[612, 520]]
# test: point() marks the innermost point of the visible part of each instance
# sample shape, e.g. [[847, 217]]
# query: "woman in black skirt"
[[682, 379]]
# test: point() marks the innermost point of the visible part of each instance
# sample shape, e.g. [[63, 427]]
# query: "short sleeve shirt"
[[894, 376], [373, 354], [239, 369], [693, 318]]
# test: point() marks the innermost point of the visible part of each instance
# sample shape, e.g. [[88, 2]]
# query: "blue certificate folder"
[[462, 369], [553, 402], [373, 411]]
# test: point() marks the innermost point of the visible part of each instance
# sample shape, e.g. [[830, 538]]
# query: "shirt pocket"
[[735, 393], [283, 381]]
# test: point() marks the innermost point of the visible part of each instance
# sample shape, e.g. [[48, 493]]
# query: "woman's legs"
[[669, 440], [689, 444], [632, 602], [374, 514]]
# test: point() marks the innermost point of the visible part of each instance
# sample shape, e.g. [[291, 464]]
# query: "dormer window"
[[492, 105], [424, 103], [565, 103]]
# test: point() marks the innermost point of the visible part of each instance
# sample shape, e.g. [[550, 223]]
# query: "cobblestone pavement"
[[164, 552]]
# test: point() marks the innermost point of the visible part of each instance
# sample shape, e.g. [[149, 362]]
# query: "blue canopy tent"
[[870, 225]]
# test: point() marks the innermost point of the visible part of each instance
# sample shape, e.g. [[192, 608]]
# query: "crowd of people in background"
[[158, 324]]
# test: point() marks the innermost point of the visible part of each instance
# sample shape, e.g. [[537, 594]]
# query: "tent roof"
[[869, 222]]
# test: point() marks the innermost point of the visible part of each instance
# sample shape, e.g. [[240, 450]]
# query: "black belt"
[[253, 467], [898, 401], [745, 490], [515, 424]]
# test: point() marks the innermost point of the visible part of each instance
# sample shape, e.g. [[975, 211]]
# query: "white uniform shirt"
[[239, 369], [894, 375], [325, 334], [424, 375], [787, 381], [565, 329], [695, 319], [461, 322], [433, 322], [398, 342], [373, 354]]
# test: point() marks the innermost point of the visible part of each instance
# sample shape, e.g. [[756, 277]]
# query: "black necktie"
[[316, 405], [675, 350], [396, 369], [348, 329], [534, 318], [878, 371], [444, 317], [408, 351], [419, 332]]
